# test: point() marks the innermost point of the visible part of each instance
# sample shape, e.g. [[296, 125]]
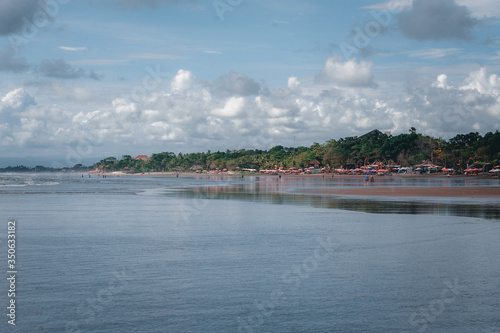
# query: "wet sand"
[[370, 190], [463, 192]]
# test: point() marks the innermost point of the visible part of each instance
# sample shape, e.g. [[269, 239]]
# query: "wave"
[[19, 182], [38, 183]]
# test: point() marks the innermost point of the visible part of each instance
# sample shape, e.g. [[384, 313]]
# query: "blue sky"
[[81, 80]]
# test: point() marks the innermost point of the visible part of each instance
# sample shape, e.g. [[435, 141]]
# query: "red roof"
[[141, 157]]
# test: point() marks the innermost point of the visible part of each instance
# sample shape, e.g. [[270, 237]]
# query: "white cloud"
[[233, 107], [293, 82], [349, 73], [73, 49], [16, 100], [182, 81], [482, 82], [195, 119], [122, 106], [441, 82], [392, 6]]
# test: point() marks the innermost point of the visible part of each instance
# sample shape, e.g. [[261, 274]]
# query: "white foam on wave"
[[27, 182]]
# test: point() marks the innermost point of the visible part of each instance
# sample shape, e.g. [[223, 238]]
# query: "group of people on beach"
[[369, 178]]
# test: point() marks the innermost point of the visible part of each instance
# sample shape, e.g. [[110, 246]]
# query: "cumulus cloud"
[[445, 109], [293, 83], [349, 73], [182, 81], [232, 107], [437, 20], [16, 100], [441, 82], [193, 117], [12, 105], [60, 69], [482, 82]]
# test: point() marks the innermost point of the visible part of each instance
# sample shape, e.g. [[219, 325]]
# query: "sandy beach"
[[370, 190], [320, 175]]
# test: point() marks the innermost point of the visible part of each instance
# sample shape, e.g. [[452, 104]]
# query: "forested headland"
[[408, 149]]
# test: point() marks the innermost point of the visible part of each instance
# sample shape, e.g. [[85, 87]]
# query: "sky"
[[81, 80]]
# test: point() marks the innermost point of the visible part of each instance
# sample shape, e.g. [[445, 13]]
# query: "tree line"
[[403, 149]]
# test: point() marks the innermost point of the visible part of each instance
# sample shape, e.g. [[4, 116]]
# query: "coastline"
[[325, 176], [317, 175]]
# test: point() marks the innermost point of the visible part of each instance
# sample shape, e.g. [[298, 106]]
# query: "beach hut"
[[392, 165], [314, 163], [427, 166]]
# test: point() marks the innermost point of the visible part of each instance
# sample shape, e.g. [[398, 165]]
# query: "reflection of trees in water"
[[270, 194]]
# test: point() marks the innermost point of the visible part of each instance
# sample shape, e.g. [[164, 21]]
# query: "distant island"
[[373, 148], [41, 168]]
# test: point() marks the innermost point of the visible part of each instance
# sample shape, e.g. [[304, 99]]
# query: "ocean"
[[255, 254]]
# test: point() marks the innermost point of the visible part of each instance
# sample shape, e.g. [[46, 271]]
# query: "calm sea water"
[[222, 254]]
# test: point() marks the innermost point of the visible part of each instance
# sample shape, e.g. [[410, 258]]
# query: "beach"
[[378, 188]]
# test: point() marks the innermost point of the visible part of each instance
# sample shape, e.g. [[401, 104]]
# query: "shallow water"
[[287, 191], [162, 254]]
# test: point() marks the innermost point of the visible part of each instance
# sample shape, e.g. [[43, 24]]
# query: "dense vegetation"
[[404, 149]]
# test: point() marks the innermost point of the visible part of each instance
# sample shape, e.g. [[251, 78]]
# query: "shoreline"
[[370, 190], [326, 176]]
